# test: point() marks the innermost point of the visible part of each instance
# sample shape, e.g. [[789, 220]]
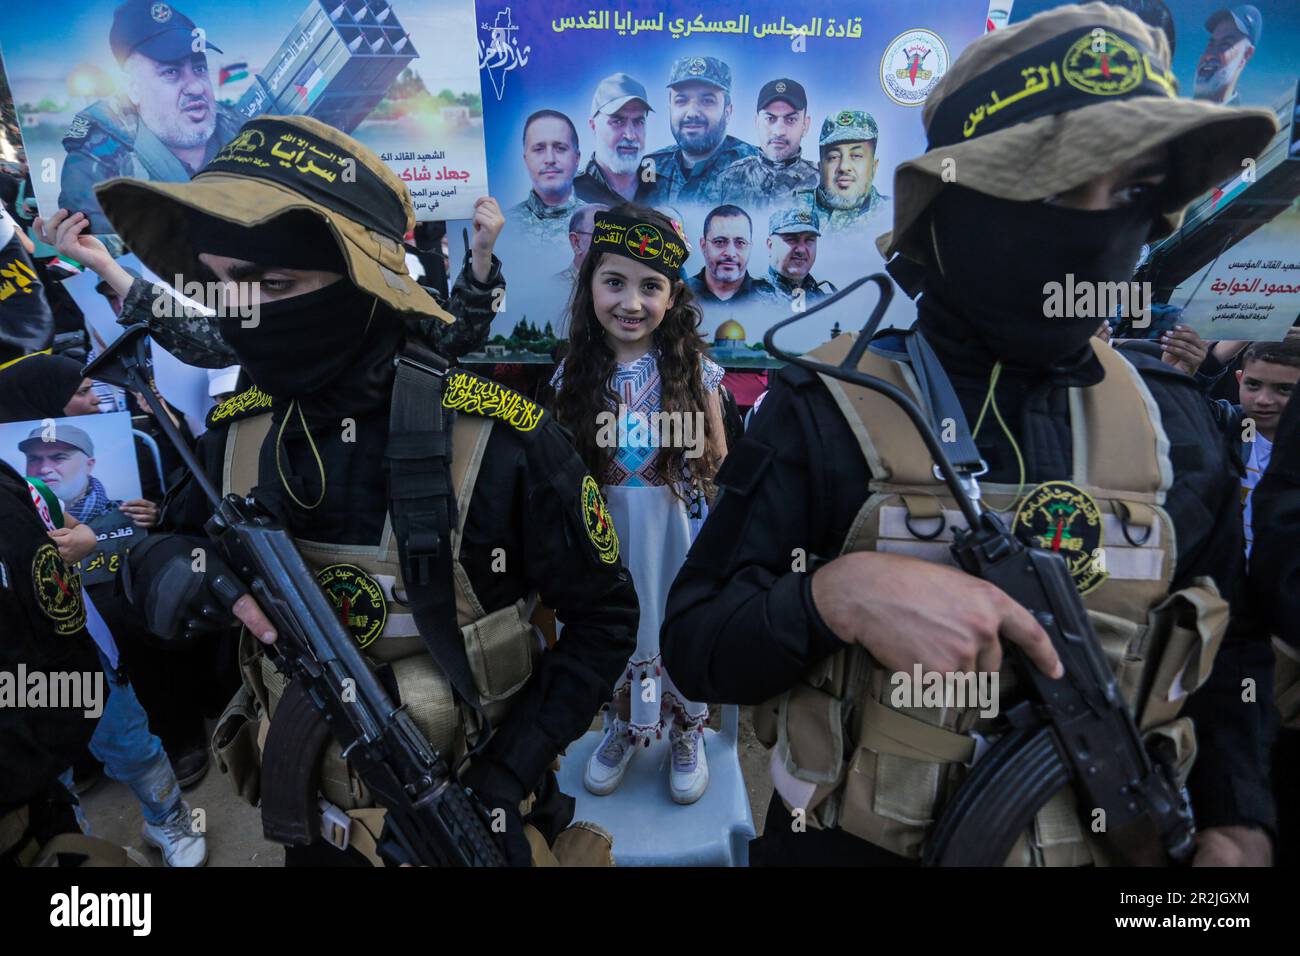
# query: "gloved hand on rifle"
[[500, 793], [184, 590]]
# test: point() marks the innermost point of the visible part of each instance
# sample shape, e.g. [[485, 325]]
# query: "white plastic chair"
[[648, 828]]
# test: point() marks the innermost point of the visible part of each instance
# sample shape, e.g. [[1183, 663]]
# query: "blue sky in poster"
[[1270, 73], [60, 52], [55, 36], [563, 69]]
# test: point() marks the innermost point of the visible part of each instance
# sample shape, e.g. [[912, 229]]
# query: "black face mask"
[[303, 343], [995, 256]]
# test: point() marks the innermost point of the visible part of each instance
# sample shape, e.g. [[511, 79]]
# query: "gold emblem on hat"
[[845, 118], [249, 141], [697, 67], [160, 12], [1103, 64], [780, 87]]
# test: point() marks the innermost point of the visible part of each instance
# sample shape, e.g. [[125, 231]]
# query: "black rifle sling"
[[941, 403], [422, 503]]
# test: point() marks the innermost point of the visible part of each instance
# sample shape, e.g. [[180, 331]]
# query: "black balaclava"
[[994, 257], [38, 387], [320, 343], [305, 343]]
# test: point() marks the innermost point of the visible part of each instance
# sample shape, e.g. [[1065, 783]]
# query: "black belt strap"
[[422, 503]]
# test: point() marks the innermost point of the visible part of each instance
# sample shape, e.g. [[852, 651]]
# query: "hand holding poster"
[[89, 463], [150, 90]]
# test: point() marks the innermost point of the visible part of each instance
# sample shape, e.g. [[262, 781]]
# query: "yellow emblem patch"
[[358, 598], [58, 590], [1103, 64], [1061, 517], [599, 524], [480, 396]]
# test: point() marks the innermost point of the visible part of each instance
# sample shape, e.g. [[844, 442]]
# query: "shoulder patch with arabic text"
[[466, 392]]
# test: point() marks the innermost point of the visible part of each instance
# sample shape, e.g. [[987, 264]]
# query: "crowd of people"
[[625, 543]]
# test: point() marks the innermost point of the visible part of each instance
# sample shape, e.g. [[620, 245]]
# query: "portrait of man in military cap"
[[699, 108], [847, 196], [792, 235], [619, 110], [551, 156], [778, 169], [164, 126], [1234, 34]]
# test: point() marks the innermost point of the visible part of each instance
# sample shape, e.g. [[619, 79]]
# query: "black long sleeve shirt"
[[526, 502], [741, 625]]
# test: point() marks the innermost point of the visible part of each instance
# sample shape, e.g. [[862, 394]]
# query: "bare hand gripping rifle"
[[1073, 731], [433, 819]]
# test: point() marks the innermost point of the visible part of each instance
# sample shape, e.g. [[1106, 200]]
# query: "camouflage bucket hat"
[[1046, 105], [276, 165]]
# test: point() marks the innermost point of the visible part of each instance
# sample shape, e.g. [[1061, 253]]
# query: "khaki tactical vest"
[[884, 773], [501, 646]]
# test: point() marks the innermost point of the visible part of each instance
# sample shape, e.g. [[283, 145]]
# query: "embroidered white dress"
[[655, 530]]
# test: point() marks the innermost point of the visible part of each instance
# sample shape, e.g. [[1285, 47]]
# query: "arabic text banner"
[[399, 75], [1251, 291], [763, 122]]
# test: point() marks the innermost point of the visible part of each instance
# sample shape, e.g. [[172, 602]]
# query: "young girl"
[[636, 353]]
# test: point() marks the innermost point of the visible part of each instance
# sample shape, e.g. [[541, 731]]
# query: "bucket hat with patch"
[[278, 165], [1046, 105]]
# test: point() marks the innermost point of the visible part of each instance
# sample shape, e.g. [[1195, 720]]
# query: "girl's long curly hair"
[[586, 389]]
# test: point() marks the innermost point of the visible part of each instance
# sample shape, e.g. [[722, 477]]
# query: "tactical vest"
[[883, 773], [501, 646]]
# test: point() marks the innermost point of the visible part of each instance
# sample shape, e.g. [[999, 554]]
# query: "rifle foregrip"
[[462, 822]]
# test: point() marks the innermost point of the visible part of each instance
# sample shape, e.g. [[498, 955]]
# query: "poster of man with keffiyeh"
[[89, 463]]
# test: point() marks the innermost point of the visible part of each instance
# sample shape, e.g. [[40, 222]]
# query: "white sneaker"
[[609, 762], [176, 839], [688, 776]]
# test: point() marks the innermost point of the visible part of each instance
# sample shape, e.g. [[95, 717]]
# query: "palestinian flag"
[[1231, 189], [232, 72], [310, 81]]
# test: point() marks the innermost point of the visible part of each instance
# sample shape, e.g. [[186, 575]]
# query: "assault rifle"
[[434, 820], [1075, 730]]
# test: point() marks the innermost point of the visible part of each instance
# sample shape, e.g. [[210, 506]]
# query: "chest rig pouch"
[[411, 607], [853, 759]]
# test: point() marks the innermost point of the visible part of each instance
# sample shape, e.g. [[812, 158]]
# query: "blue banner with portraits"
[[770, 134]]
